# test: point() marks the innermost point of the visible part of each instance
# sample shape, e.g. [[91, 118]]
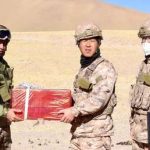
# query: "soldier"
[[7, 115], [94, 94], [140, 95]]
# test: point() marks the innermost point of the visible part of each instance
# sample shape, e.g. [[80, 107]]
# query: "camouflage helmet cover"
[[144, 30], [5, 33], [86, 31]]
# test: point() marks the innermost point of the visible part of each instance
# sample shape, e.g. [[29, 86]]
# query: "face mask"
[[146, 48]]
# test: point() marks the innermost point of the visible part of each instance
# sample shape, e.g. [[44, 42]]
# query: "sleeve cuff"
[[75, 111], [5, 111]]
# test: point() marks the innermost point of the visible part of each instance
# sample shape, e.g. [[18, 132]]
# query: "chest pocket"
[[84, 84], [140, 96]]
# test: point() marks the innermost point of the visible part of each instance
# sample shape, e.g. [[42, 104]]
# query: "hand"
[[11, 115], [68, 116]]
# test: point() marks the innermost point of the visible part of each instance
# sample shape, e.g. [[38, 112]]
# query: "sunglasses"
[[5, 34]]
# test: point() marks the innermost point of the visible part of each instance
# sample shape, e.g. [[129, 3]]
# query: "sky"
[[140, 5]]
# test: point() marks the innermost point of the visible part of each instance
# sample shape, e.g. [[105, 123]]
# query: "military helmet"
[[144, 30], [86, 31], [5, 33]]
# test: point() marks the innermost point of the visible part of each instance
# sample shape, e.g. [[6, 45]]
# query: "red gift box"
[[40, 103]]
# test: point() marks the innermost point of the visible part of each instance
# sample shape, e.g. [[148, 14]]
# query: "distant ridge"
[[45, 15]]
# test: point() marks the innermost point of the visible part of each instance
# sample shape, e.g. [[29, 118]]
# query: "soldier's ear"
[[99, 42], [78, 43]]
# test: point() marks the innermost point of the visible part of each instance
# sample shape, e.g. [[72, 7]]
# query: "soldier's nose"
[[88, 43]]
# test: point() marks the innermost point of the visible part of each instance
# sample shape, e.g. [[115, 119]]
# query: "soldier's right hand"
[[11, 115]]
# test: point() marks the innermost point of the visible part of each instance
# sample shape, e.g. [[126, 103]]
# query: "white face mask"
[[146, 48]]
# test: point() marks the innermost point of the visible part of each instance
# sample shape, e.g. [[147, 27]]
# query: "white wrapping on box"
[[26, 102]]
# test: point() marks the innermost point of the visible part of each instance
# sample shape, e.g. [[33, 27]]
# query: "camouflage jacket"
[[6, 75], [140, 103], [140, 92], [94, 99]]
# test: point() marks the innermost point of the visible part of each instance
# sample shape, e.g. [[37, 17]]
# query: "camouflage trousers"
[[138, 128], [97, 143], [5, 138], [139, 146]]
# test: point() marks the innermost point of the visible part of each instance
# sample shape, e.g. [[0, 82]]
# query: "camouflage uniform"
[[140, 101], [5, 95], [92, 129]]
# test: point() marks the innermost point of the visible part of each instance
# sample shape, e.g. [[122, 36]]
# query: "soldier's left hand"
[[68, 116], [11, 115]]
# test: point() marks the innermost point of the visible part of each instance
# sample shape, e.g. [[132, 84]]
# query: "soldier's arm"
[[139, 77], [4, 97], [100, 94], [3, 111]]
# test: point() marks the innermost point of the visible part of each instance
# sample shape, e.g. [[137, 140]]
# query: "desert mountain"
[[44, 15]]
